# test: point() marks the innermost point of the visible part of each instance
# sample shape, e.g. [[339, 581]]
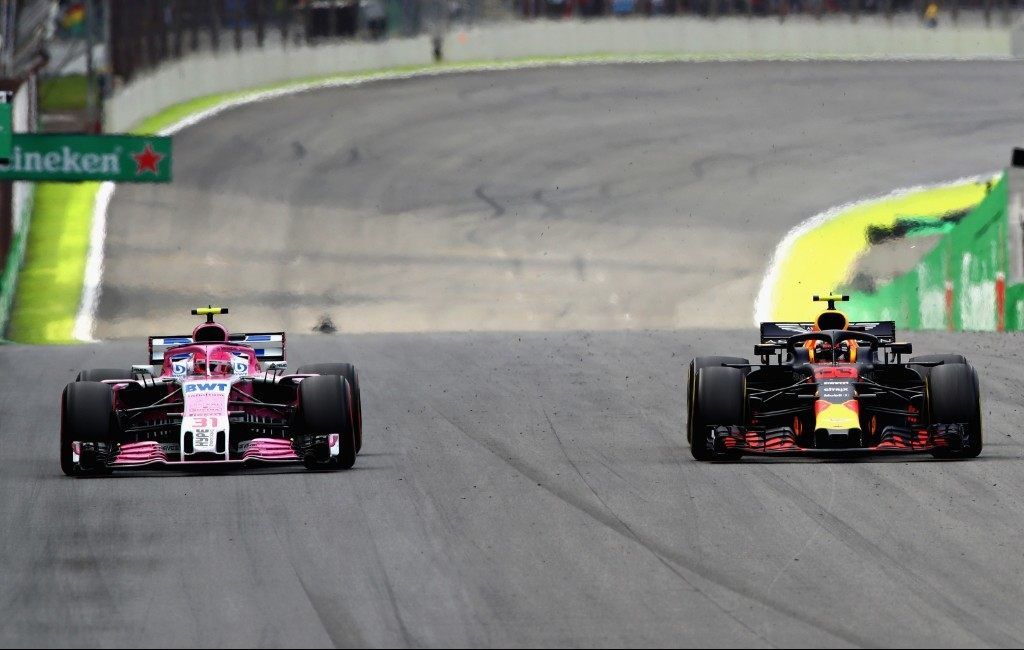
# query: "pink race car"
[[211, 398]]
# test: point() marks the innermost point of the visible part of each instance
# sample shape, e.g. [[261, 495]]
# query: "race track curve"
[[524, 479]]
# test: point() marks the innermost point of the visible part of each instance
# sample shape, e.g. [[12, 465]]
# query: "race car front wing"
[[138, 454], [782, 441]]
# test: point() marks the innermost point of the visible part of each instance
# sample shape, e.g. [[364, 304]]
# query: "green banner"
[[65, 157], [5, 131]]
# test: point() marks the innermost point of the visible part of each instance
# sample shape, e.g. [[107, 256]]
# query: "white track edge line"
[[765, 296], [85, 320]]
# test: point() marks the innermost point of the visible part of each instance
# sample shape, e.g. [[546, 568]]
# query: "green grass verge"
[[50, 284], [63, 93]]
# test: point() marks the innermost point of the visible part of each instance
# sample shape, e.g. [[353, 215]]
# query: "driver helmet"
[[825, 351], [217, 362]]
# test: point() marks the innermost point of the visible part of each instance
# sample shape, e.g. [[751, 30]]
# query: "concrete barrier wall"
[[1017, 40], [212, 73], [727, 36], [228, 71]]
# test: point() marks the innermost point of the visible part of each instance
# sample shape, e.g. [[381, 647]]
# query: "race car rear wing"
[[885, 330], [268, 346]]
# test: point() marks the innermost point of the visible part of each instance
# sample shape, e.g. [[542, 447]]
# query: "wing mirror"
[[901, 348], [764, 349], [140, 369], [277, 365]]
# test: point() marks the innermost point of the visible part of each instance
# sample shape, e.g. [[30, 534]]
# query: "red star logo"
[[147, 160]]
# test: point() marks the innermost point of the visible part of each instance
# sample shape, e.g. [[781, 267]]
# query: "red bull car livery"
[[211, 398], [833, 387]]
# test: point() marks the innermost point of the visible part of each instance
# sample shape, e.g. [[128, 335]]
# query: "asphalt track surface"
[[583, 198], [528, 485]]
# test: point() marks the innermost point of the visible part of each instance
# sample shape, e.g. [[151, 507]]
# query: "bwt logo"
[[206, 388]]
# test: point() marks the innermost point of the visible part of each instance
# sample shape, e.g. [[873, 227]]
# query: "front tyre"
[[954, 398], [87, 413], [351, 375], [325, 410], [720, 400], [691, 384]]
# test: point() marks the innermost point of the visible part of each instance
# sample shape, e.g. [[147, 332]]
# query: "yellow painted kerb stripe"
[[819, 255]]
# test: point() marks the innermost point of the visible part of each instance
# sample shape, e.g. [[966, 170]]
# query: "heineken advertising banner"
[[71, 157]]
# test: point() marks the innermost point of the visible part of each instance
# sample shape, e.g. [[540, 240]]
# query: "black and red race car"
[[833, 387], [211, 398]]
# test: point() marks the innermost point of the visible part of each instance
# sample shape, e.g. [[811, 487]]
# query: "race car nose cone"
[[837, 438]]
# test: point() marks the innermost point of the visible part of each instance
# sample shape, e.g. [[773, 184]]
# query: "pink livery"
[[211, 398]]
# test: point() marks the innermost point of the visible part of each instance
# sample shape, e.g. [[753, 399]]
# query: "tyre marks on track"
[[701, 579], [898, 571]]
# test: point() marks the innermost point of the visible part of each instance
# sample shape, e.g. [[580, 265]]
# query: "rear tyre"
[[946, 359], [691, 383], [719, 400], [87, 412], [104, 374], [351, 375], [954, 398], [325, 409]]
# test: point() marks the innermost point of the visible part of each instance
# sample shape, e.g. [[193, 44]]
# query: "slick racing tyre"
[[691, 387], [946, 359], [104, 374], [87, 412], [719, 400], [348, 371], [954, 398], [325, 409]]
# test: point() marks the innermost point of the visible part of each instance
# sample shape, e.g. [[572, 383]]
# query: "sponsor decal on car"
[[218, 387], [202, 438], [836, 391], [239, 364], [206, 398], [179, 365]]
